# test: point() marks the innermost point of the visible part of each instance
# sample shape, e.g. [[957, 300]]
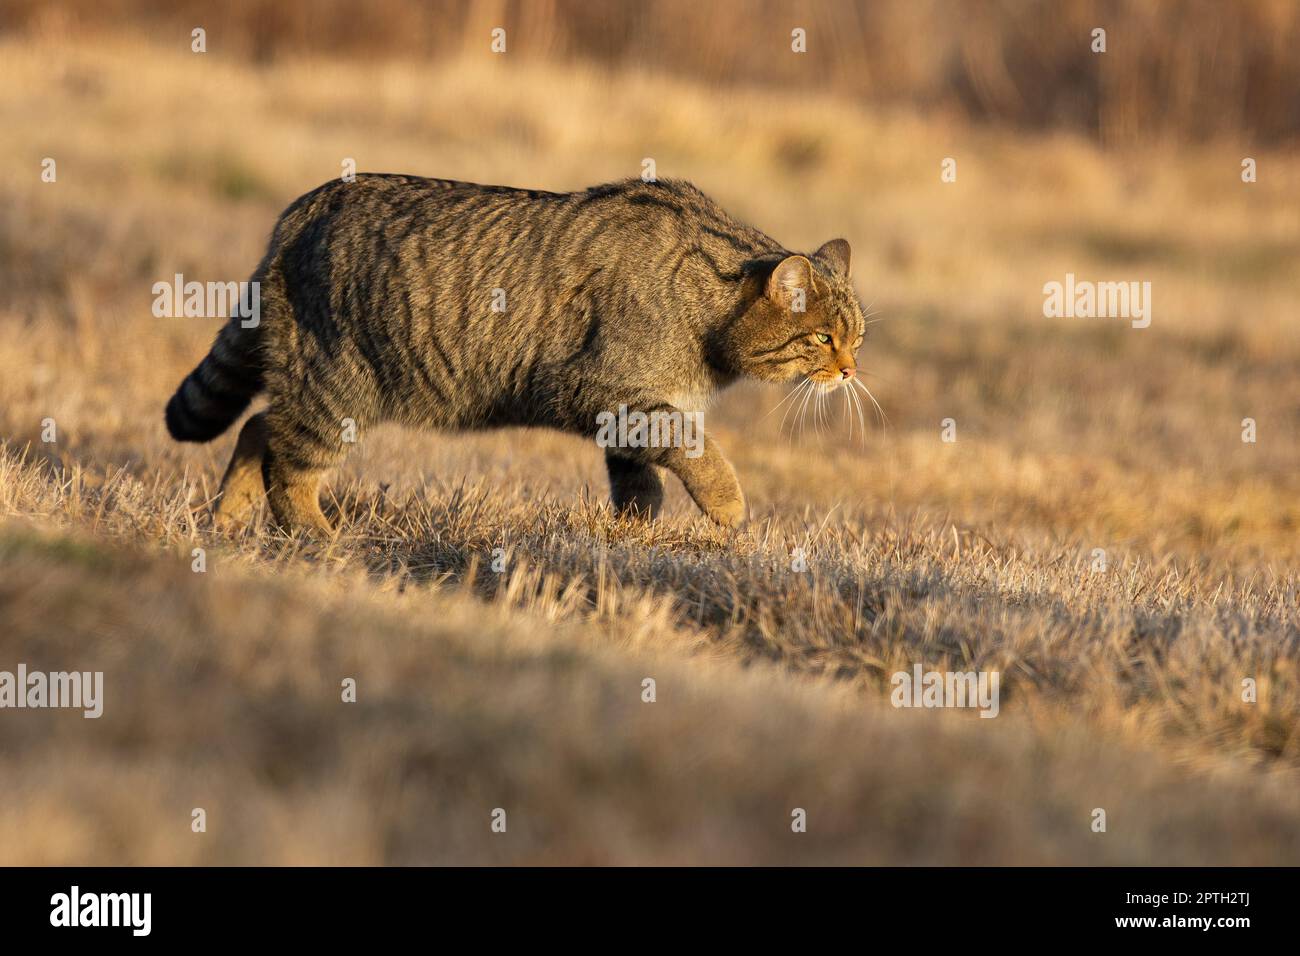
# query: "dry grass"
[[522, 689]]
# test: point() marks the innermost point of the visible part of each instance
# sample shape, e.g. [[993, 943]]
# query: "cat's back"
[[388, 202]]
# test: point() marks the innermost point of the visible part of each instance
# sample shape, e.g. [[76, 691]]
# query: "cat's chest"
[[691, 399], [696, 390]]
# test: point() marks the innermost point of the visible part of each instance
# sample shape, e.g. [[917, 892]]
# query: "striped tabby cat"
[[459, 306]]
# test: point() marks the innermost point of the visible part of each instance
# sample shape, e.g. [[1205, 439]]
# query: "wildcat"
[[460, 306]]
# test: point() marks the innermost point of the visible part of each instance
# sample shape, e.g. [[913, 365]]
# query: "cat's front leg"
[[696, 459], [640, 437], [634, 486], [711, 482]]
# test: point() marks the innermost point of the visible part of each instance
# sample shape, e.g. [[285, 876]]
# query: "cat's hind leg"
[[297, 457], [242, 486]]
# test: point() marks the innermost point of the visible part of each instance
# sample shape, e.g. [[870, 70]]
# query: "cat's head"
[[804, 322]]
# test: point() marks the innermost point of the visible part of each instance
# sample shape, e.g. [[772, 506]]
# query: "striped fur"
[[378, 305], [219, 389]]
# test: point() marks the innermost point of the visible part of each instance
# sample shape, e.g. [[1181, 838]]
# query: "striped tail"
[[217, 392]]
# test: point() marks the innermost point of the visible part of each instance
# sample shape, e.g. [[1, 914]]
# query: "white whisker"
[[848, 411], [799, 420], [852, 406], [802, 386], [862, 418], [879, 411], [791, 394]]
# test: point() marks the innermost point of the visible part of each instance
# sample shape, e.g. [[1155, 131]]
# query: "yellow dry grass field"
[[1098, 533]]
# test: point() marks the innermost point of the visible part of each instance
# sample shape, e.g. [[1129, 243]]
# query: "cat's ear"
[[793, 273], [837, 254]]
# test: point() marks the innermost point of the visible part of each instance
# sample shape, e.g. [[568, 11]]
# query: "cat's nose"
[[847, 373]]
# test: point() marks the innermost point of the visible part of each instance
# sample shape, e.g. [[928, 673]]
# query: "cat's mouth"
[[828, 381]]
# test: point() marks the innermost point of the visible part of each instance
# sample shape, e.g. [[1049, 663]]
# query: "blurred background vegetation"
[[1181, 69]]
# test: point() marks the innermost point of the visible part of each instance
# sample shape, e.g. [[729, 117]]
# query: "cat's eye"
[[823, 338]]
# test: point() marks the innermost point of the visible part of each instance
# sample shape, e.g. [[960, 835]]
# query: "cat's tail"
[[220, 388]]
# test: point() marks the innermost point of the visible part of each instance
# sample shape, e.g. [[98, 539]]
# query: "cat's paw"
[[234, 511], [729, 512]]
